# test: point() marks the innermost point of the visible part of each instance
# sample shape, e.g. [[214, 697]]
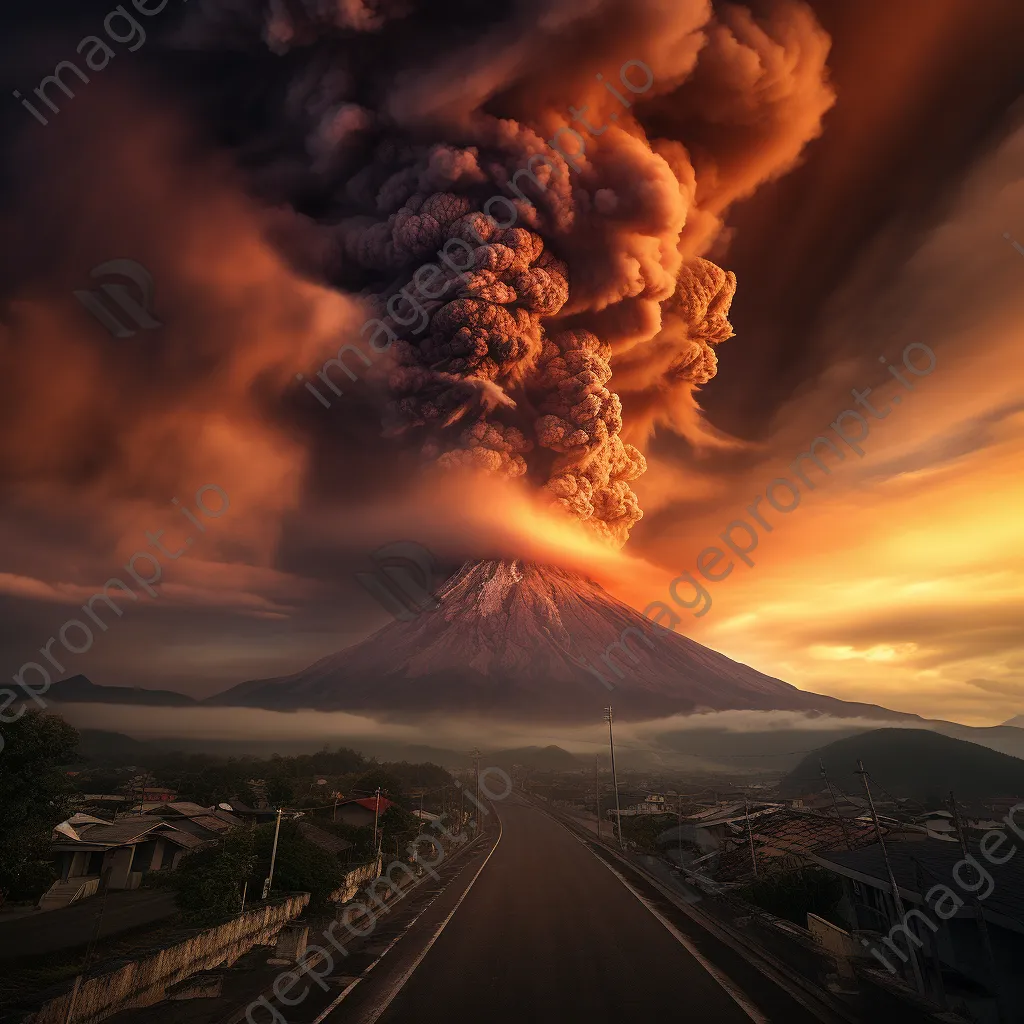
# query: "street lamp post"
[[608, 717]]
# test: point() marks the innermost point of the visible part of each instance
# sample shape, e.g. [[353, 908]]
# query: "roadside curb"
[[768, 965], [267, 993]]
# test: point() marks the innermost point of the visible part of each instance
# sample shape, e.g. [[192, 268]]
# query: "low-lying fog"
[[711, 737]]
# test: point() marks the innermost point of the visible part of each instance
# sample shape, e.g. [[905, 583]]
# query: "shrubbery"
[[34, 796], [209, 882], [794, 894], [301, 866]]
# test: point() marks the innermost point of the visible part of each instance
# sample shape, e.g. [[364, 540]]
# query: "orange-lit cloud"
[[899, 580], [99, 434]]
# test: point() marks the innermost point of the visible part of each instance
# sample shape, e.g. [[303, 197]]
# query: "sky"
[[855, 170]]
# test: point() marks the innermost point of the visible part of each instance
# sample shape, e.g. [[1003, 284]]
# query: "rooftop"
[[183, 807], [325, 840], [919, 866], [371, 803], [115, 833]]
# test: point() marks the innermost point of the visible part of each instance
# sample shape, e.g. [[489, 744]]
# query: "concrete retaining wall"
[[145, 981], [355, 880]]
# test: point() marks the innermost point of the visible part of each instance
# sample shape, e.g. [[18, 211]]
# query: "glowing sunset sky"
[[856, 168], [900, 579]]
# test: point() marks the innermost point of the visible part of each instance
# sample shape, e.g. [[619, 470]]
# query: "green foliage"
[[795, 894], [416, 776], [367, 783], [361, 837], [301, 866], [209, 882], [398, 826], [34, 796], [644, 830], [208, 779], [280, 790]]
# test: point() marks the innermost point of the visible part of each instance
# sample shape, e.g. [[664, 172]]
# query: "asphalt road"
[[547, 933]]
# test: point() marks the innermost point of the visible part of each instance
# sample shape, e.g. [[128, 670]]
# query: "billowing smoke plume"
[[523, 195]]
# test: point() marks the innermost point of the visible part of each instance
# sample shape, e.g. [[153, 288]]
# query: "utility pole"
[[597, 790], [608, 717], [896, 898], [835, 805], [475, 754], [273, 856], [750, 835], [979, 915], [376, 815], [679, 828]]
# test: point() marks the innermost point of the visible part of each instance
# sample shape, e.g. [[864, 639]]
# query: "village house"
[[961, 964], [87, 849], [361, 811]]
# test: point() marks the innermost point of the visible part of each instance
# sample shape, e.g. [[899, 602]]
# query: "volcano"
[[532, 643]]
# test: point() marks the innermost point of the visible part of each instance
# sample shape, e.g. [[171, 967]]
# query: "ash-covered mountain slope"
[[529, 642]]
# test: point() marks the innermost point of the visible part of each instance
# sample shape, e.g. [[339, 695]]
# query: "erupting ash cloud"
[[574, 308]]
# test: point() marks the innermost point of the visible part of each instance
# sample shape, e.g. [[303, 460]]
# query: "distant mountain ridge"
[[916, 763], [79, 689]]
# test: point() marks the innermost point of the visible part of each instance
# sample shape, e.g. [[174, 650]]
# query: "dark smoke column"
[[524, 314]]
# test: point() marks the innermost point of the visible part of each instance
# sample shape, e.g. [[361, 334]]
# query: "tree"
[[369, 781], [417, 776], [280, 791], [209, 882], [794, 894], [34, 797], [397, 826], [301, 866]]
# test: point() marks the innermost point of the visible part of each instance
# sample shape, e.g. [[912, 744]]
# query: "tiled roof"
[[79, 818], [183, 839], [784, 833], [325, 840], [937, 860], [228, 817], [208, 821], [185, 807], [732, 812], [369, 802], [117, 833]]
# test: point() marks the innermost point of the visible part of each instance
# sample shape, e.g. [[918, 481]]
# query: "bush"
[[796, 894], [301, 866], [645, 830], [209, 882], [33, 879]]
